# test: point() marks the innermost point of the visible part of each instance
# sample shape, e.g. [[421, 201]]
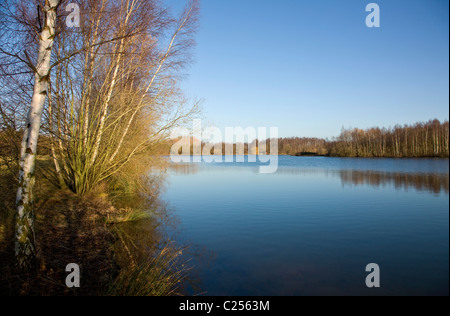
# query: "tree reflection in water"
[[429, 182], [420, 181], [139, 240]]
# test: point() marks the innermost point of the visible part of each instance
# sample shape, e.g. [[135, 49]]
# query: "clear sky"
[[310, 67]]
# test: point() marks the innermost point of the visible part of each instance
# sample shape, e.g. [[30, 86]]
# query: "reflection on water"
[[430, 182], [184, 168], [312, 227], [141, 239], [435, 182]]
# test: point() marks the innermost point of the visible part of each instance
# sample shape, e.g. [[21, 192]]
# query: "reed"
[[161, 274]]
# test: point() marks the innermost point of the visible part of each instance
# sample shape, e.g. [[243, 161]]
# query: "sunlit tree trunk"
[[24, 237]]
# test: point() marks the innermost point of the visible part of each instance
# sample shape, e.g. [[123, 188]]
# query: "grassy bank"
[[98, 233]]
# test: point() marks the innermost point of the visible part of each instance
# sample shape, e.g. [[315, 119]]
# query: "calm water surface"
[[312, 227]]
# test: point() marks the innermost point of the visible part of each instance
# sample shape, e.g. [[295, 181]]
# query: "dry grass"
[[109, 233], [86, 231], [159, 274]]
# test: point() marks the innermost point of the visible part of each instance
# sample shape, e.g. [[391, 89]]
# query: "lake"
[[312, 227]]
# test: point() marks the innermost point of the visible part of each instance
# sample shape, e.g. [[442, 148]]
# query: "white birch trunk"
[[24, 238]]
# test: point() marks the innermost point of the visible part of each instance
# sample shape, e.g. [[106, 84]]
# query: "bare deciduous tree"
[[104, 93], [24, 238]]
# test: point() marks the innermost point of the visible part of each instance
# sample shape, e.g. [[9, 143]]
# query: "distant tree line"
[[296, 146], [430, 139]]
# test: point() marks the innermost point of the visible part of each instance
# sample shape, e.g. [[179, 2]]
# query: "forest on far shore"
[[430, 139], [419, 140]]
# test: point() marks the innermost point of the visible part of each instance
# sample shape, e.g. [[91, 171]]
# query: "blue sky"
[[310, 67]]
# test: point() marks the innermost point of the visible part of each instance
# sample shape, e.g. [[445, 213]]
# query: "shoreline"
[[324, 156]]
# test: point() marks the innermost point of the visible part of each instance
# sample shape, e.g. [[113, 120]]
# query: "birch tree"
[[46, 32], [24, 238], [104, 93], [423, 139]]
